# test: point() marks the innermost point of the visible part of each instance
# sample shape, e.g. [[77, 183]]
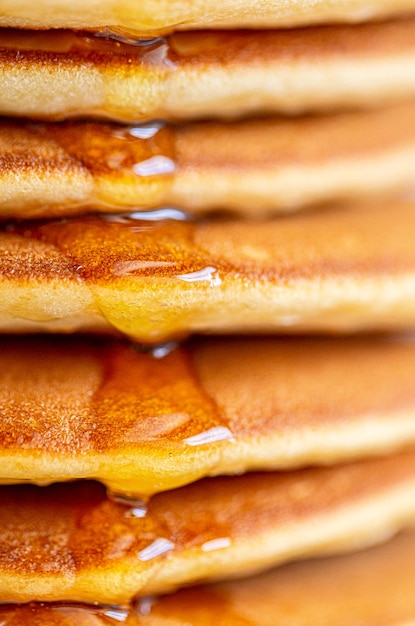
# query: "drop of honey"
[[154, 51], [116, 613], [144, 131], [160, 546], [124, 38], [163, 349], [207, 274], [216, 544], [144, 605], [136, 507], [217, 433], [70, 613]]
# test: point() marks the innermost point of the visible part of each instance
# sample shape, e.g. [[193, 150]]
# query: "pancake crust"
[[341, 270], [372, 587], [73, 409], [256, 167], [202, 74], [153, 16], [69, 542]]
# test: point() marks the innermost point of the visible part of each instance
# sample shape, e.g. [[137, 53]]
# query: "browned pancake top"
[[358, 240], [76, 397], [374, 587], [66, 530], [209, 47], [151, 165], [61, 74]]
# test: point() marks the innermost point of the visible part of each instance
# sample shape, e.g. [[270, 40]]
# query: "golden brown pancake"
[[153, 16], [257, 166], [371, 588], [342, 270], [211, 73], [141, 424], [70, 542]]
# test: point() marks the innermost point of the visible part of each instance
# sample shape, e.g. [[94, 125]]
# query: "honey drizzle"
[[77, 613], [67, 529], [141, 157], [134, 397], [128, 267], [151, 51], [65, 613], [169, 406]]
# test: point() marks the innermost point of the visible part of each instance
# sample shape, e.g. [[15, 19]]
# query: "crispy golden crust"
[[371, 587], [338, 270], [257, 167], [69, 542], [154, 16], [60, 74], [73, 409]]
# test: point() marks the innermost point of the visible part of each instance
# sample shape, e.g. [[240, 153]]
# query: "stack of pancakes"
[[160, 184]]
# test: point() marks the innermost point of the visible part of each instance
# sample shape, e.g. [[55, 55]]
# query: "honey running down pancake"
[[371, 587], [59, 74], [71, 542], [341, 270], [150, 16], [141, 424], [256, 167]]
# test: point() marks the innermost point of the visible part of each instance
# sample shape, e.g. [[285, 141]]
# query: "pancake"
[[153, 16], [370, 588], [73, 409], [61, 74], [256, 167], [335, 271], [70, 542]]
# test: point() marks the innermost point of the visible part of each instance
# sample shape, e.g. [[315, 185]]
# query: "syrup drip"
[[143, 131], [116, 613], [163, 349], [136, 507], [144, 605], [72, 613], [139, 162], [153, 52], [108, 33]]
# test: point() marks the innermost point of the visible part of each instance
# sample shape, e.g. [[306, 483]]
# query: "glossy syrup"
[[131, 166], [123, 256], [65, 614], [156, 400], [154, 51], [66, 530], [150, 405]]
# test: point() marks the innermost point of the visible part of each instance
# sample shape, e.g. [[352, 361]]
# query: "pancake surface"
[[340, 270], [203, 74], [70, 542], [256, 167], [74, 410], [153, 15], [371, 587]]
